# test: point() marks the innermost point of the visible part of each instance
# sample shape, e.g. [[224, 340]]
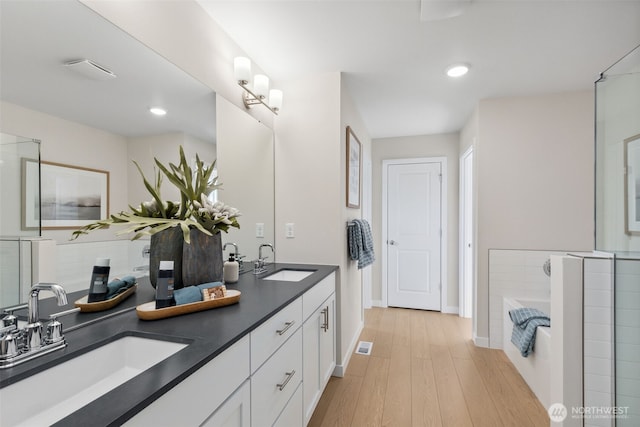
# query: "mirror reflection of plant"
[[194, 211]]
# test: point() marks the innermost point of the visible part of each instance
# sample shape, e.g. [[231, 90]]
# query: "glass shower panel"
[[618, 156], [19, 213]]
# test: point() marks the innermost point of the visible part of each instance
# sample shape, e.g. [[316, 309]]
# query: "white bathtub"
[[536, 368]]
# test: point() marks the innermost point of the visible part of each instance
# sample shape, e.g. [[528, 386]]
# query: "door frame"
[[465, 293], [444, 308]]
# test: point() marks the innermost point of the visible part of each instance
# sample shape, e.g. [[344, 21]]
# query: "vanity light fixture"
[[457, 70], [158, 111], [259, 93]]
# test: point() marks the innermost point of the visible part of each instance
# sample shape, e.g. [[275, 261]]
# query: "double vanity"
[[261, 362]]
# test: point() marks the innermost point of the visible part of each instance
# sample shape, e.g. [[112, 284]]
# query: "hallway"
[[424, 370]]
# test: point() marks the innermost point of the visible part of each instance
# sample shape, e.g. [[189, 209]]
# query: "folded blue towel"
[[525, 322], [192, 293], [360, 243], [118, 286]]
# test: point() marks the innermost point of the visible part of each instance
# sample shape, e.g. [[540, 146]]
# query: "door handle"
[[393, 243]]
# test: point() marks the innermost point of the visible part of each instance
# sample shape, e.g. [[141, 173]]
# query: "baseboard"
[[339, 370], [451, 309], [377, 303], [481, 341]]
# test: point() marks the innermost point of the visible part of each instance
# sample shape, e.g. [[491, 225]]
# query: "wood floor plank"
[[434, 328], [453, 408], [419, 336], [451, 330], [481, 408], [509, 408], [425, 407], [369, 409], [383, 342], [341, 407], [397, 403]]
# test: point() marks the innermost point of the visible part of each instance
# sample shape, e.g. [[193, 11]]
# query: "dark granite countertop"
[[207, 333]]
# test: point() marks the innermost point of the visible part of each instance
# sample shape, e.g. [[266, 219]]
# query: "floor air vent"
[[364, 347]]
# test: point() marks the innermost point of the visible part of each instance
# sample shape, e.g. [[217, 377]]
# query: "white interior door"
[[466, 235], [414, 236]]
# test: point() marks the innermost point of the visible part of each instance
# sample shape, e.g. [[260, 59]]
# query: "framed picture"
[[354, 167], [632, 184], [70, 196]]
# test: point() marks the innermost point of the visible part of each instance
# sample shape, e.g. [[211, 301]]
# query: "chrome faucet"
[[34, 327], [236, 254], [258, 266], [19, 345]]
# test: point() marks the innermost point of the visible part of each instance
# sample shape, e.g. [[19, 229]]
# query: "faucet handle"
[[54, 327], [9, 319]]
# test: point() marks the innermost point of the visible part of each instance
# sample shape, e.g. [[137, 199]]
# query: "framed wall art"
[[632, 184], [70, 196], [354, 167]]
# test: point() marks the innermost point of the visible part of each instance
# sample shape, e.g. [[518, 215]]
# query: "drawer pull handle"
[[325, 324], [286, 380], [286, 327]]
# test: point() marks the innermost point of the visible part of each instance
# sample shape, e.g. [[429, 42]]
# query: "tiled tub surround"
[[208, 333], [536, 368], [514, 274], [627, 348]]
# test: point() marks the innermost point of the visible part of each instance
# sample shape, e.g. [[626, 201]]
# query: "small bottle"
[[164, 287], [230, 270], [99, 280]]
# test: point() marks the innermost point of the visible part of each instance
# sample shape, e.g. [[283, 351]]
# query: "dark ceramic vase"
[[202, 259], [166, 246]]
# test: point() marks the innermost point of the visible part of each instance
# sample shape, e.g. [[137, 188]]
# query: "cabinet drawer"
[[268, 337], [312, 299], [276, 381]]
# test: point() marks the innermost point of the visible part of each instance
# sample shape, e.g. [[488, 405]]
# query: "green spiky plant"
[[193, 211]]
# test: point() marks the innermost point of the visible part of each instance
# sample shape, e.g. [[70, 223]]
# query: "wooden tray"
[[148, 311], [87, 307]]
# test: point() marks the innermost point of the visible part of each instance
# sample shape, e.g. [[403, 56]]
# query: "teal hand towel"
[[187, 295], [118, 286]]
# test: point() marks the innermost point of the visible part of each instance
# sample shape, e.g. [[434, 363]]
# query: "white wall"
[[311, 190], [444, 145], [68, 142], [534, 176]]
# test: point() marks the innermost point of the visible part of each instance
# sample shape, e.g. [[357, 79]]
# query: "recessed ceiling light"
[[158, 111], [457, 70]]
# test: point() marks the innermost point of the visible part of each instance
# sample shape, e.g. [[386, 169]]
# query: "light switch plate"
[[289, 231], [259, 229]]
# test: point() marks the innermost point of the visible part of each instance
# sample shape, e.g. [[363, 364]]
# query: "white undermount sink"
[[51, 395], [289, 275]]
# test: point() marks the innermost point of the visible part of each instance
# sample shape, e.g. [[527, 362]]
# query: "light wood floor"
[[424, 370]]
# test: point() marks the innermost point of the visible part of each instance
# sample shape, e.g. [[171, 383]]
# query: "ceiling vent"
[[90, 69], [435, 10]]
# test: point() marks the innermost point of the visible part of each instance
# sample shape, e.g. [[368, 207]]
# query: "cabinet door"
[[311, 331], [328, 341], [319, 350], [235, 411]]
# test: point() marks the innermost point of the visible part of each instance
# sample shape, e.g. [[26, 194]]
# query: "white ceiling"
[[37, 37], [394, 63]]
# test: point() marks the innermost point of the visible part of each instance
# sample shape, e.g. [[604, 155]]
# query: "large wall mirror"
[[39, 37]]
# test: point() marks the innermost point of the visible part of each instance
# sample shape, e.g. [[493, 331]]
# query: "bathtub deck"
[[425, 370]]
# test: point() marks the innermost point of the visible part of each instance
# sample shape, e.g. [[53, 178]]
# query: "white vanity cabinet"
[[272, 377], [200, 395], [319, 342]]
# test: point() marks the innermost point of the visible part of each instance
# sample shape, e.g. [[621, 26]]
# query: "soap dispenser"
[[231, 270]]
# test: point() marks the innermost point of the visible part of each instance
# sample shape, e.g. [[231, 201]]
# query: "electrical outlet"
[[289, 231], [259, 229]]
